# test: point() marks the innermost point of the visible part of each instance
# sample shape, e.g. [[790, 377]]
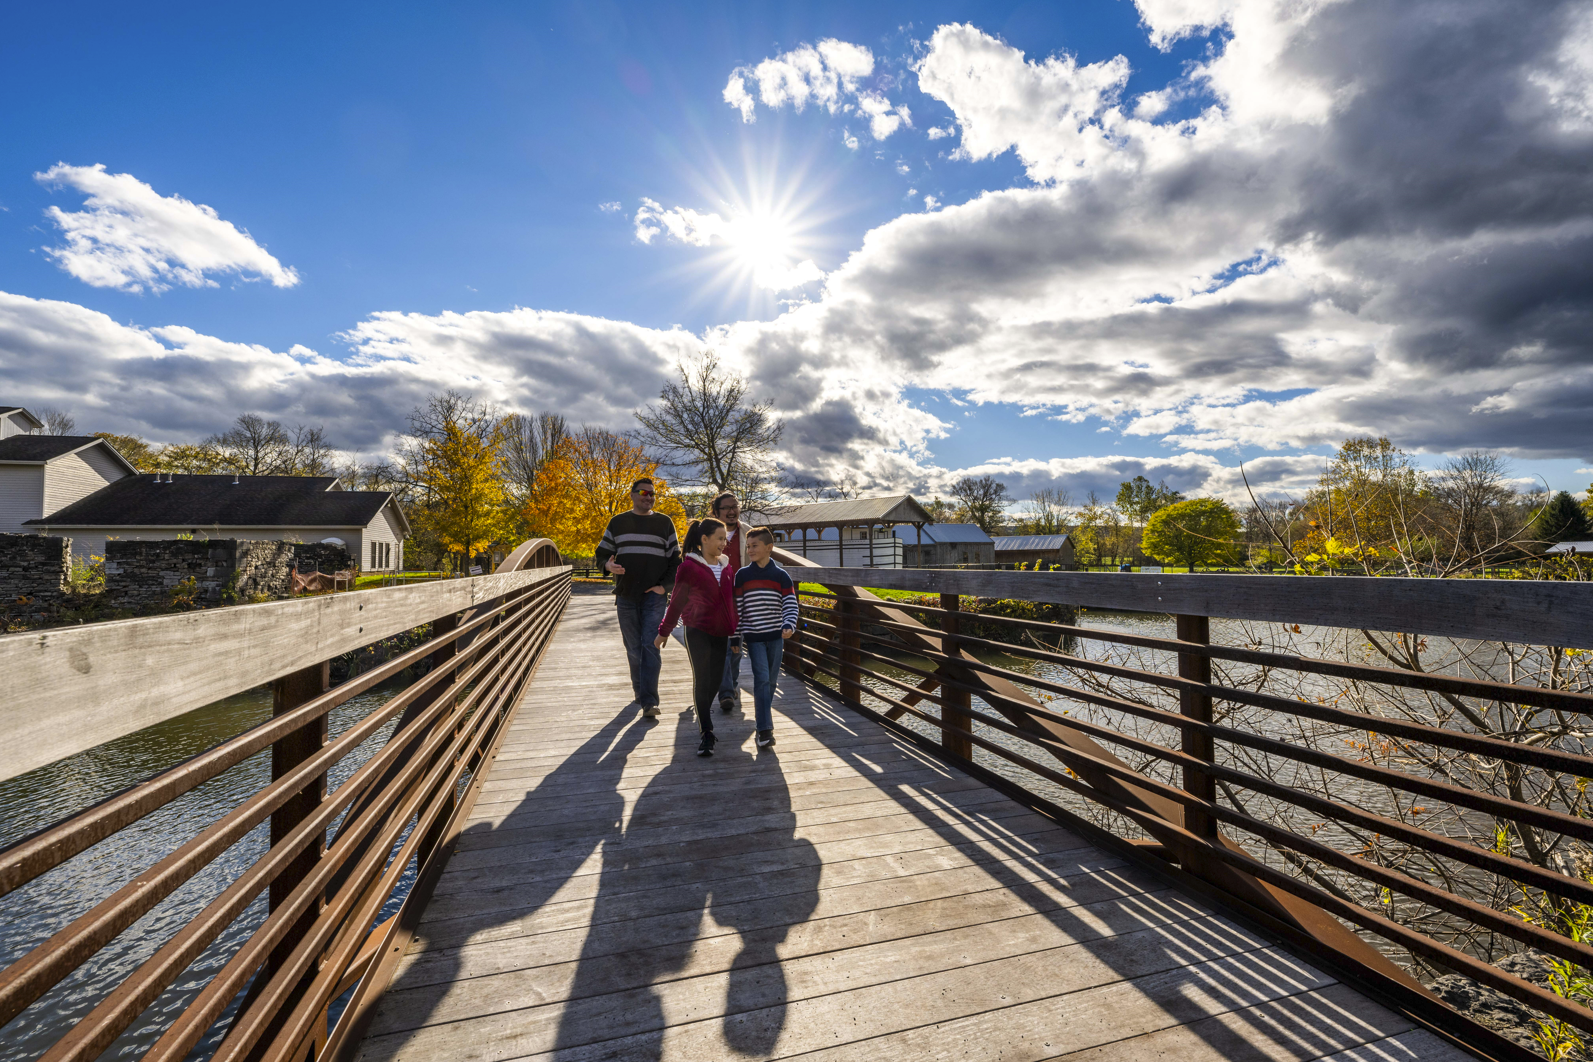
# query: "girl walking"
[[704, 599]]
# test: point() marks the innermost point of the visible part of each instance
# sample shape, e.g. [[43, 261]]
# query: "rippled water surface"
[[32, 913]]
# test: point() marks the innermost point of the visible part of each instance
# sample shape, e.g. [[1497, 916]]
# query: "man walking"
[[727, 507], [640, 549]]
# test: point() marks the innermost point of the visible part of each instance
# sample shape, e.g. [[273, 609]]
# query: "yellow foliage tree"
[[451, 456], [587, 481]]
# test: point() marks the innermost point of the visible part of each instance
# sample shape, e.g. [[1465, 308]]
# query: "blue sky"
[[421, 162]]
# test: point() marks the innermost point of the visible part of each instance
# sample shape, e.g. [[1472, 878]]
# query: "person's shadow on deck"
[[687, 794]]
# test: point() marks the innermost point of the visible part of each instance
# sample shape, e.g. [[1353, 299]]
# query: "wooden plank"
[[844, 898], [87, 685], [1537, 612]]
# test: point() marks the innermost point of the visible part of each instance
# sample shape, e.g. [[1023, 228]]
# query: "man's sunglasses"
[[643, 493]]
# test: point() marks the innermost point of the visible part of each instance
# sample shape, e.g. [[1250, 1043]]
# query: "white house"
[[368, 523], [78, 486], [42, 474]]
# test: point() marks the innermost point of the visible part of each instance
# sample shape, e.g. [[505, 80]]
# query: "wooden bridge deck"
[[841, 896]]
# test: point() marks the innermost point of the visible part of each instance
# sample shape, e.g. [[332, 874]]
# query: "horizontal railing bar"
[[371, 839], [1530, 611], [1548, 759], [1485, 689], [339, 952], [1507, 983], [91, 683], [425, 799], [1558, 822], [1524, 932], [1481, 858], [25, 980], [28, 858]]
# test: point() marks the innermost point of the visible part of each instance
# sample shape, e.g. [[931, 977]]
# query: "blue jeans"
[[727, 686], [765, 657], [638, 624]]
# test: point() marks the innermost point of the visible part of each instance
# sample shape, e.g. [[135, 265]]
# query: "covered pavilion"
[[794, 524]]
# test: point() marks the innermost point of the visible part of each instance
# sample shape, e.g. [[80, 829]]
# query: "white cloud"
[[828, 75], [175, 384], [931, 203], [771, 267], [937, 132], [903, 169], [611, 207], [848, 139], [131, 238]]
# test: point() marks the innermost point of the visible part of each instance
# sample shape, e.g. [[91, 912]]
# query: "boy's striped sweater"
[[766, 602]]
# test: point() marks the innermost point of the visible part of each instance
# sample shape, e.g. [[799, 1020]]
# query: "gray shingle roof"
[[1030, 542], [216, 501], [43, 447]]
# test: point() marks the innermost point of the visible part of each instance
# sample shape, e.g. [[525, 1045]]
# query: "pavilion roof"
[[853, 512]]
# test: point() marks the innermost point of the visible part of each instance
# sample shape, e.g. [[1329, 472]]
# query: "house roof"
[[217, 501], [41, 449], [1571, 547], [943, 534], [898, 509], [6, 411], [1030, 543]]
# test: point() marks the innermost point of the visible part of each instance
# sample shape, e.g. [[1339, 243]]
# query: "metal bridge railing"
[[1198, 750], [335, 859]]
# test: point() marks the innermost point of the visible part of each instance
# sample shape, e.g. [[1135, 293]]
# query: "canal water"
[[32, 913]]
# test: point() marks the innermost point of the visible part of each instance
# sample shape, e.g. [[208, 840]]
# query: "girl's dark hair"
[[696, 531]]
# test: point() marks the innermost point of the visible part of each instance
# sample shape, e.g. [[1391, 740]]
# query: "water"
[[32, 913]]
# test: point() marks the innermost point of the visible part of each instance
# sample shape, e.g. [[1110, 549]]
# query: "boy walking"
[[766, 608], [640, 549]]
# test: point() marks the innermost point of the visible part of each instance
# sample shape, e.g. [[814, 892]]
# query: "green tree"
[[452, 458], [138, 453], [1195, 532], [1562, 520], [1137, 499]]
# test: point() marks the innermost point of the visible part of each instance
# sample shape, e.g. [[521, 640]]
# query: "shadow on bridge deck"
[[842, 896]]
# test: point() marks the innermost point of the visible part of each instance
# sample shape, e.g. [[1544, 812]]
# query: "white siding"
[[13, 423], [73, 477], [382, 531], [21, 496]]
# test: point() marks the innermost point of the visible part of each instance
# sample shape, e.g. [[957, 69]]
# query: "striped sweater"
[[766, 602]]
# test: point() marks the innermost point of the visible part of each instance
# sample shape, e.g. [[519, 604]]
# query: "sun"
[[765, 245]]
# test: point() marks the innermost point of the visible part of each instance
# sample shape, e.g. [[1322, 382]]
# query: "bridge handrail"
[[74, 688], [850, 638], [317, 941]]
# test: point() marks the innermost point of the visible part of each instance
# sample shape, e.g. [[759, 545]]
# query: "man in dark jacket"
[[640, 549]]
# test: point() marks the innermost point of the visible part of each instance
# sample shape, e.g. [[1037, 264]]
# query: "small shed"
[[948, 544], [856, 532], [1026, 549]]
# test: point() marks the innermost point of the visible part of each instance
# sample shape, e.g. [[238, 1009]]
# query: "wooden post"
[[288, 693], [804, 543], [840, 546], [870, 532], [851, 681], [791, 655], [919, 555], [1197, 706], [954, 699]]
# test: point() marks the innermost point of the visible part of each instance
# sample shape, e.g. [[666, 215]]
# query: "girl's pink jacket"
[[703, 603]]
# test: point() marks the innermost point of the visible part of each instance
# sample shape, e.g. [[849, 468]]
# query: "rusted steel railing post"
[[1197, 706], [851, 680], [288, 693], [441, 626], [955, 703]]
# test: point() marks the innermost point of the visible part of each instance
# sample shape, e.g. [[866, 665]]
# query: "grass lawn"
[[387, 578]]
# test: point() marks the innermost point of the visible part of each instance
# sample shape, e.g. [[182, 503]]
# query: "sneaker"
[[650, 711], [727, 704], [705, 747], [765, 738]]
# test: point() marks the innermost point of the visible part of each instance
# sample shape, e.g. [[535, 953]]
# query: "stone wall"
[[144, 575], [321, 557], [37, 567]]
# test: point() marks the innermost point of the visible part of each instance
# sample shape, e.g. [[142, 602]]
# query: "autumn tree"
[[981, 501], [586, 481], [451, 459], [709, 430], [1200, 531], [529, 443], [137, 452], [1047, 512]]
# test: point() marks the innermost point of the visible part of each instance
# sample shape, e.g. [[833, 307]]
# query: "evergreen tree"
[[1562, 520]]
